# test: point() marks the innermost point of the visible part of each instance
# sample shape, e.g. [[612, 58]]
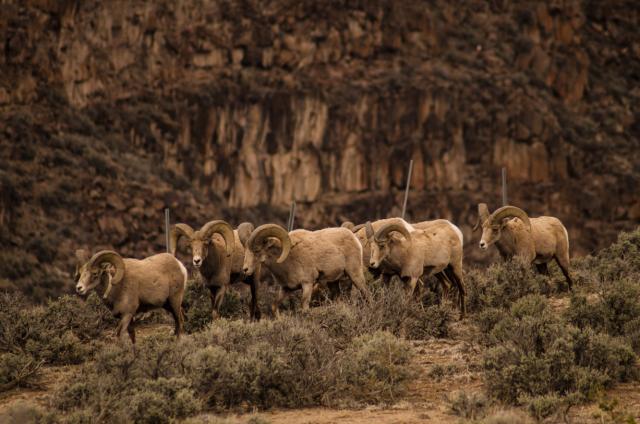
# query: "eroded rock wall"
[[234, 108]]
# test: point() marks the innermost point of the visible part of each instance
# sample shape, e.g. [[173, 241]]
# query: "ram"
[[536, 240], [414, 253], [129, 286], [218, 254], [302, 259], [385, 272]]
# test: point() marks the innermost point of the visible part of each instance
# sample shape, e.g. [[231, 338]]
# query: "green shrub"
[[289, 362], [615, 311], [58, 333], [438, 372], [197, 306], [18, 370], [533, 353], [471, 406], [502, 284], [375, 368], [389, 309], [119, 386], [541, 407], [618, 261]]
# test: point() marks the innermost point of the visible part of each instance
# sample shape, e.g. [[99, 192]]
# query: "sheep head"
[[492, 225], [201, 240], [105, 266], [383, 240], [268, 242]]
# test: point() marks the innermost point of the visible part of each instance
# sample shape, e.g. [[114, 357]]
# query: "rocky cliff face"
[[233, 108]]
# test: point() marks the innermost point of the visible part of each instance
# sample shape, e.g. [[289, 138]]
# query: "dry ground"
[[459, 355]]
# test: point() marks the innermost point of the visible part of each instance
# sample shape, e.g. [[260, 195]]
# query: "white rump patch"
[[566, 234], [458, 232], [184, 272]]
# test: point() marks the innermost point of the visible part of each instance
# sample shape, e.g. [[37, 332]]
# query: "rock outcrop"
[[234, 108]]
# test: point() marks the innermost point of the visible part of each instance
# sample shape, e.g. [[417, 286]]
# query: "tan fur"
[[546, 240], [322, 256], [219, 271], [435, 248], [158, 281]]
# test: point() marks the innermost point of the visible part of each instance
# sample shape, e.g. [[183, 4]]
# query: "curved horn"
[[383, 232], [348, 225], [368, 229], [483, 214], [244, 232], [261, 233], [177, 231], [224, 229], [113, 258], [357, 228], [509, 211]]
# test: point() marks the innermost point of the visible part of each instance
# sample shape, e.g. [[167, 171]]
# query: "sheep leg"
[[217, 295], [132, 333], [357, 278], [563, 263], [252, 280], [178, 317], [454, 272], [410, 284], [444, 283], [275, 306], [307, 291], [124, 325], [334, 290], [542, 269]]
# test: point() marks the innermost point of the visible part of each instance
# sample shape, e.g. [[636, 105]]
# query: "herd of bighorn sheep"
[[304, 259]]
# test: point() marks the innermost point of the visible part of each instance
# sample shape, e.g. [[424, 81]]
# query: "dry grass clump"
[[389, 309], [24, 411], [468, 405]]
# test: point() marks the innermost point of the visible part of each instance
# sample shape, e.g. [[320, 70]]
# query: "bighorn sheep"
[[536, 240], [385, 272], [302, 259], [218, 254], [412, 252], [130, 285]]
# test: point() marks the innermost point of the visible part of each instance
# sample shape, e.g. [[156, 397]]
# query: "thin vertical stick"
[[167, 222], [292, 216], [504, 186], [406, 190]]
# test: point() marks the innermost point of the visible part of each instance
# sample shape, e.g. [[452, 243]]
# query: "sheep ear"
[[395, 237], [82, 256]]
